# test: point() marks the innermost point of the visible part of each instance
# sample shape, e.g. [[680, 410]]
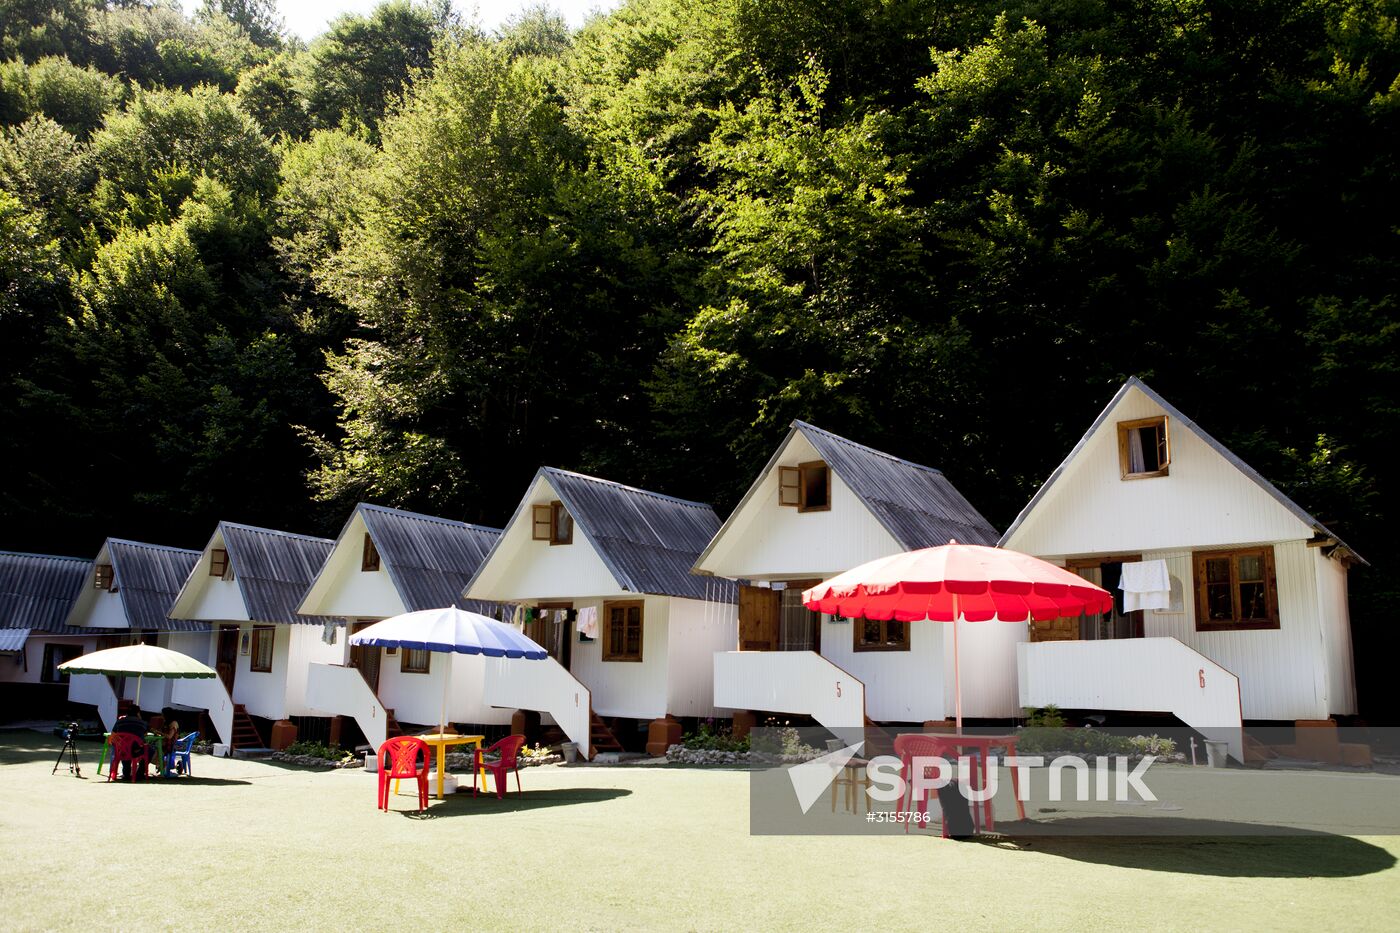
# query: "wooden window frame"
[[1198, 575], [262, 633], [541, 522], [102, 576], [544, 523], [792, 486], [1165, 463], [606, 629], [369, 556], [858, 628], [789, 487], [556, 509], [218, 562], [405, 668]]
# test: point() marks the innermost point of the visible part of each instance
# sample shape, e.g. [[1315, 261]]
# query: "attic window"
[[102, 577], [218, 562], [807, 486], [1143, 449], [369, 560], [552, 523]]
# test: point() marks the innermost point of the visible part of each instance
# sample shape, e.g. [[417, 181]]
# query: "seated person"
[[171, 734], [133, 724]]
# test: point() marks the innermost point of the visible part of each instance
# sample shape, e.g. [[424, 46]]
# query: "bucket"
[[570, 751], [371, 762], [1217, 753]]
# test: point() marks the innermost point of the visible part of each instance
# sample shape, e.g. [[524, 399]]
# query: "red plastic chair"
[[127, 748], [398, 758], [508, 749], [909, 747]]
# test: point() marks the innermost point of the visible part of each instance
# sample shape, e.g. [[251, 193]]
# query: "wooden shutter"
[[102, 577], [370, 559], [789, 486], [542, 519], [218, 562], [561, 527]]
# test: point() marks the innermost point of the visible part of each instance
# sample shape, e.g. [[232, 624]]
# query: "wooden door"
[[227, 657], [366, 659], [758, 619]]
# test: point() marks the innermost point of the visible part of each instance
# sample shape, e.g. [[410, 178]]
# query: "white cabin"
[[579, 547], [384, 563], [822, 505], [36, 592], [1258, 587], [247, 586], [132, 587]]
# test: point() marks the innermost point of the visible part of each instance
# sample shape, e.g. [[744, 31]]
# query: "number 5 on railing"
[[838, 688]]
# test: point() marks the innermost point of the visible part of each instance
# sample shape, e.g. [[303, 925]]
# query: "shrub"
[[707, 738]]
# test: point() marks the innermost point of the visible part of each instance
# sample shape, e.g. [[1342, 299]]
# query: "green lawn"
[[249, 845]]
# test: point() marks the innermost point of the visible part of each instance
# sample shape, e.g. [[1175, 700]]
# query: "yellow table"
[[440, 741]]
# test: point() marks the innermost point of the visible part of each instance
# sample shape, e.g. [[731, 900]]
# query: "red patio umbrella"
[[958, 581]]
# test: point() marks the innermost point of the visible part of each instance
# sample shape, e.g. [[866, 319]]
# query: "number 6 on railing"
[[1202, 675]]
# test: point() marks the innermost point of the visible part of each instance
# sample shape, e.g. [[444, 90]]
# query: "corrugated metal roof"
[[273, 569], [1175, 414], [148, 577], [916, 504], [429, 559], [12, 639], [37, 590], [648, 541]]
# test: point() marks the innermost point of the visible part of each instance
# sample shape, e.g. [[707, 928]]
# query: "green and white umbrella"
[[138, 661]]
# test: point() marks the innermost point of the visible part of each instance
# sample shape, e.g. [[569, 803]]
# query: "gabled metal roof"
[[148, 577], [916, 504], [648, 541], [37, 591], [273, 569], [429, 559], [1175, 414]]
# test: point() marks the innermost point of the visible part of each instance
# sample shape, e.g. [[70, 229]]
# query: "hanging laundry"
[[1145, 585], [328, 632], [587, 623]]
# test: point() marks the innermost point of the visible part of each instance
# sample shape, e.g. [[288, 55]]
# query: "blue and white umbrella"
[[450, 631]]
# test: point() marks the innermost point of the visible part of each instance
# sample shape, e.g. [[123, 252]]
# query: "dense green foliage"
[[410, 262]]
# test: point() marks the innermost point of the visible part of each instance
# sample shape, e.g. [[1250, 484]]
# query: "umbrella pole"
[[957, 669], [442, 716], [138, 694]]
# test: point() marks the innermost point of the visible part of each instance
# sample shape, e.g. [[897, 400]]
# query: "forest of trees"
[[245, 277]]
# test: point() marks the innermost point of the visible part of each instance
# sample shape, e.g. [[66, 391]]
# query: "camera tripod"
[[70, 749]]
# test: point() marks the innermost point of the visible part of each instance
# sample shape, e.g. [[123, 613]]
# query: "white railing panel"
[[95, 690], [801, 682], [1134, 674], [210, 695], [336, 690], [545, 686]]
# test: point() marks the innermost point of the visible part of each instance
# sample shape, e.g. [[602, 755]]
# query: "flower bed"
[[315, 761]]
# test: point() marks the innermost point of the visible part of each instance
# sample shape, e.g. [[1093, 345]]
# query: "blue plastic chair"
[[181, 750]]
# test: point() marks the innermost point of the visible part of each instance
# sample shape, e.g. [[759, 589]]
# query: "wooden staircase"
[[877, 740], [391, 724], [245, 734], [600, 737], [1256, 753]]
